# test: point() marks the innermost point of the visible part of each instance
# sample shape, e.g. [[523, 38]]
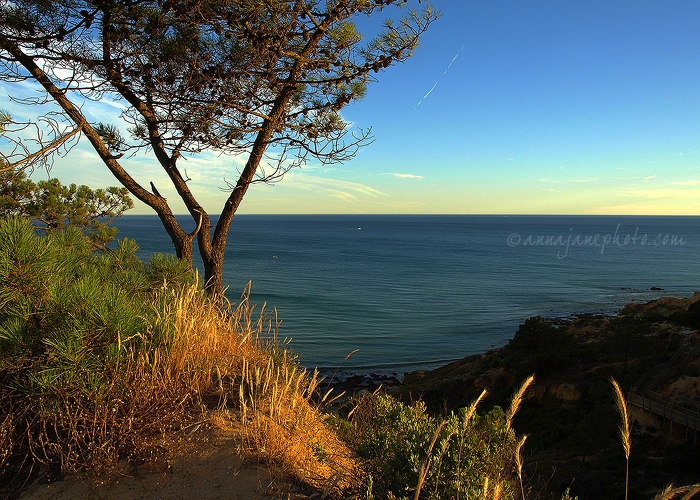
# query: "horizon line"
[[433, 214]]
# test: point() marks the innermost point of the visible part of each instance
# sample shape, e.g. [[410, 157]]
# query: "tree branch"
[[157, 203], [41, 153]]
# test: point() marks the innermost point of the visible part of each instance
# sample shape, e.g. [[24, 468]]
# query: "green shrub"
[[540, 347], [689, 317], [463, 456], [77, 331], [63, 305], [165, 270]]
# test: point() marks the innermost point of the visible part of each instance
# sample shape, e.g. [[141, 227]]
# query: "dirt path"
[[206, 468]]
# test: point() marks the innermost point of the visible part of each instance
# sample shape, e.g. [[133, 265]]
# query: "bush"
[[689, 317], [79, 337], [101, 354], [63, 305], [404, 448], [540, 347]]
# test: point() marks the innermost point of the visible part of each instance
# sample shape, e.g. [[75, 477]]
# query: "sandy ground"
[[207, 468]]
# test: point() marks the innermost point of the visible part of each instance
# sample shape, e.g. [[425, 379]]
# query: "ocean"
[[411, 292]]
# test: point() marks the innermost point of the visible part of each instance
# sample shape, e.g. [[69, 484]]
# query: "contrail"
[[438, 80]]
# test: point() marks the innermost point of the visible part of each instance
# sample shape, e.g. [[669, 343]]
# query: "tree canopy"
[[261, 79], [51, 205]]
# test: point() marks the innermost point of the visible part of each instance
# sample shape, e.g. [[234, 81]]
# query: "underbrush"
[[83, 378], [411, 454], [100, 354]]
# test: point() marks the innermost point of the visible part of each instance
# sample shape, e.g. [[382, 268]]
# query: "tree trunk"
[[181, 240], [213, 273], [214, 249]]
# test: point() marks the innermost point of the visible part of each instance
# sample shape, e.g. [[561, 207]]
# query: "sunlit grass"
[[262, 387], [100, 355]]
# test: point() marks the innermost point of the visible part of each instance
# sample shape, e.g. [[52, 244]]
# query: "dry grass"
[[282, 426], [471, 410], [519, 463], [217, 365], [72, 430], [671, 492], [425, 465], [668, 493], [235, 354], [225, 367], [263, 392], [6, 440], [517, 400], [624, 427]]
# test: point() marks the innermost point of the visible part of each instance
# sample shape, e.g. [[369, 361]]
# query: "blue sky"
[[572, 107]]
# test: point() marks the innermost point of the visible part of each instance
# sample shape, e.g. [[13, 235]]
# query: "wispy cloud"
[[336, 187], [208, 168], [406, 176], [693, 182], [674, 193], [649, 177], [344, 196], [576, 180]]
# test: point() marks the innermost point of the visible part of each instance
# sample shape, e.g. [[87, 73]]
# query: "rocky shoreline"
[[357, 381]]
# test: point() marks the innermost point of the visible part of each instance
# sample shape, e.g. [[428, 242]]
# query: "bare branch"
[[26, 150], [200, 220]]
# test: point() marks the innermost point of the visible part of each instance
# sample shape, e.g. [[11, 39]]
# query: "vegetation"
[[571, 421], [51, 205], [100, 354], [79, 335], [550, 348], [48, 204], [625, 434], [410, 454], [689, 317], [259, 80]]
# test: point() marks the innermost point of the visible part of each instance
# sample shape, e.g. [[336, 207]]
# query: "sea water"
[[405, 292]]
